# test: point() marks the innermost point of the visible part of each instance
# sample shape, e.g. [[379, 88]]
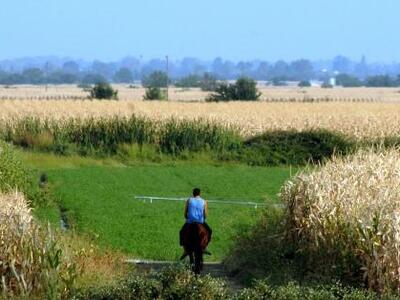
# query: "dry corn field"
[[351, 207], [354, 119], [25, 249], [271, 94]]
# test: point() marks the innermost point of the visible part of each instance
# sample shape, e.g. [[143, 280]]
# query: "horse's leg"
[[198, 261], [192, 259], [185, 253]]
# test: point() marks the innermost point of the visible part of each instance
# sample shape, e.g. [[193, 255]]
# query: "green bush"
[[263, 241], [244, 89], [304, 83], [15, 176], [175, 282], [293, 147], [154, 93], [293, 291], [103, 91]]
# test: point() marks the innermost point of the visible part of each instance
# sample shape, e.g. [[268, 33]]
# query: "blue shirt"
[[195, 212]]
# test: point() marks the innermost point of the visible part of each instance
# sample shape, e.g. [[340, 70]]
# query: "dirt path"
[[215, 269]]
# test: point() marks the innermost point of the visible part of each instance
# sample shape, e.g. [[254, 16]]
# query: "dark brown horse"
[[195, 241]]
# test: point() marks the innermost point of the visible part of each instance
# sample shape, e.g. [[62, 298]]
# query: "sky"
[[232, 29]]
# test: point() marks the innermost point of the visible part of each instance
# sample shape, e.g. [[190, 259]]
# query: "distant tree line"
[[193, 72], [346, 80]]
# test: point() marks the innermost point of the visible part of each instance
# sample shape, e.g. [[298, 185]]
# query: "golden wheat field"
[[272, 94], [354, 119]]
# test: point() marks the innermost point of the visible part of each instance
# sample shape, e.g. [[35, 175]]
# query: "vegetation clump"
[[244, 89], [154, 93], [103, 91], [157, 79], [294, 147], [304, 83], [346, 80], [175, 282]]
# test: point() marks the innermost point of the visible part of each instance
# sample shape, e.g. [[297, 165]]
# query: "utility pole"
[[167, 69], [46, 70]]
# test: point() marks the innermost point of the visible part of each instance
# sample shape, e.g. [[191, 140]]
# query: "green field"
[[99, 198]]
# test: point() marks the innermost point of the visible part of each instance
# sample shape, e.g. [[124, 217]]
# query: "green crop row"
[[109, 136]]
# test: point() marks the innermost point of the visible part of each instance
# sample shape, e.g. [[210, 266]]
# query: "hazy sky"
[[264, 29]]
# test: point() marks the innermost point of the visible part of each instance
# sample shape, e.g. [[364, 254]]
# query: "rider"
[[196, 211]]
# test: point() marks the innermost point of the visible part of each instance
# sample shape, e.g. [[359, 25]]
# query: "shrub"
[[244, 89], [188, 81], [103, 91], [293, 147], [345, 219], [264, 241], [175, 282], [154, 93], [294, 291], [304, 83], [13, 174]]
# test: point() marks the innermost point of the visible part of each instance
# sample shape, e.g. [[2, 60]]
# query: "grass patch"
[[99, 200]]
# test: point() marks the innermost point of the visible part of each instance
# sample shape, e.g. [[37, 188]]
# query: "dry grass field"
[[355, 119], [272, 94]]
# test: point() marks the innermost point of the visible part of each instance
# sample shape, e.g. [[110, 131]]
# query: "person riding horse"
[[196, 212]]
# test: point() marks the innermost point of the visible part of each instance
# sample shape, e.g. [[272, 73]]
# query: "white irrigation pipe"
[[245, 203]]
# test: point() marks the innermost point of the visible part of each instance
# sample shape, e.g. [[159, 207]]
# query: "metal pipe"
[[239, 202]]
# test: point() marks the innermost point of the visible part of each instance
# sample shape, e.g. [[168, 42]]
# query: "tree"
[[380, 81], [279, 81], [93, 78], [103, 91], [71, 67], [208, 83], [280, 69], [346, 80], [304, 83], [154, 93], [33, 76], [123, 75], [104, 69], [61, 77], [244, 89], [156, 79], [301, 69], [341, 64], [188, 81]]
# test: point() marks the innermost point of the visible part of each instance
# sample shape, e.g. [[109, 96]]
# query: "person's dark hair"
[[196, 192]]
